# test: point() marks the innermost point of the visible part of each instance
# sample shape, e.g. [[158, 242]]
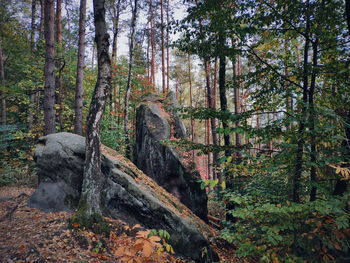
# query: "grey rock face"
[[128, 194], [169, 168]]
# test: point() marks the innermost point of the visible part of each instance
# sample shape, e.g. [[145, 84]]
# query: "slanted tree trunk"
[[90, 202], [79, 92], [2, 82], [128, 85], [49, 89]]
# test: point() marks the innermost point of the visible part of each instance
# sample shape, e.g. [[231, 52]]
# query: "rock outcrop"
[[175, 171], [128, 194]]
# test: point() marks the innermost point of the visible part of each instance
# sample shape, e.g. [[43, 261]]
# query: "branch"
[[272, 68]]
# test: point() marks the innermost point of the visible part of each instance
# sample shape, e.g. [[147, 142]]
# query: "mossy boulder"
[[128, 194], [157, 122]]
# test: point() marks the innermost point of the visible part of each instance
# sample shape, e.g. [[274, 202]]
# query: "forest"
[[174, 131]]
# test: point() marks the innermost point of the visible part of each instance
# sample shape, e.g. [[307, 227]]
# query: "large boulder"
[[128, 194], [157, 122]]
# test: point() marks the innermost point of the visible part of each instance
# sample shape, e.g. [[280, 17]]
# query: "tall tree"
[[79, 92], [90, 202], [128, 84], [32, 46], [49, 89], [222, 91], [59, 64], [153, 48], [2, 83], [162, 44], [116, 7]]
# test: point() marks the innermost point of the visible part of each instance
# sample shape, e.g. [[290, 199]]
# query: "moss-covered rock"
[[127, 194]]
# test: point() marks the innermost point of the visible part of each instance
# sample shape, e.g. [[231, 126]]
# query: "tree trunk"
[[90, 202], [2, 82], [302, 123], [162, 43], [153, 56], [128, 85], [32, 30], [313, 153], [191, 97], [237, 71], [116, 18], [42, 15], [167, 47], [59, 67], [223, 99], [32, 46], [347, 12], [211, 105], [49, 89], [79, 92]]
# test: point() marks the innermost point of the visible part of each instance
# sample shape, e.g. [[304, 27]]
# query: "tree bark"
[[191, 97], [237, 71], [167, 47], [79, 92], [116, 18], [211, 105], [49, 89], [223, 98], [162, 44], [32, 47], [90, 202], [302, 122], [59, 67], [2, 82], [128, 85], [347, 12], [42, 15], [32, 30], [313, 153], [153, 56]]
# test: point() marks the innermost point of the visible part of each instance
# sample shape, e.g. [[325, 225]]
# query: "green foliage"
[[112, 134], [290, 232]]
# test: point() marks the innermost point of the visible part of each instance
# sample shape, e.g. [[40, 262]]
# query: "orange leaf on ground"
[[147, 249]]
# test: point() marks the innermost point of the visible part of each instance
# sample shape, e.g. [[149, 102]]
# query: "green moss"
[[93, 222]]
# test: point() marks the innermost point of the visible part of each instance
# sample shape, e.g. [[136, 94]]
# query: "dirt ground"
[[30, 235]]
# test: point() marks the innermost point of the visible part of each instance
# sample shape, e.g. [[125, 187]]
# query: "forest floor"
[[30, 235]]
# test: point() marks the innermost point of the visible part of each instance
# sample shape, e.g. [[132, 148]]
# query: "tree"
[[162, 44], [49, 89], [90, 202], [128, 84], [2, 82], [59, 64], [79, 92]]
